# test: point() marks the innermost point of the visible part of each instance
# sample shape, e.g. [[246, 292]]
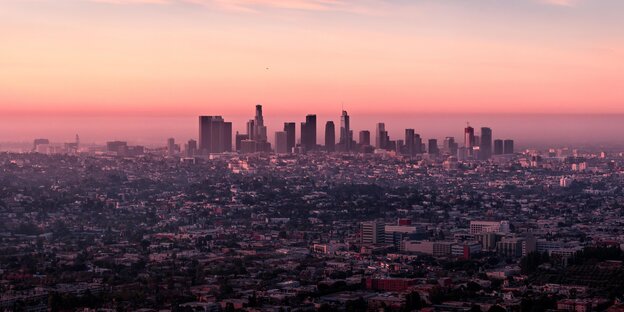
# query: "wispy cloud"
[[560, 2], [255, 5]]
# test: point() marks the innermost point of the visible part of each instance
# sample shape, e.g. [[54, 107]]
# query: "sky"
[[182, 58]]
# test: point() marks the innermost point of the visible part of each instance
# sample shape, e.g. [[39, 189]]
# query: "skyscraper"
[[227, 137], [239, 138], [364, 138], [171, 148], [346, 138], [260, 130], [289, 128], [485, 147], [308, 133], [256, 134], [281, 142], [251, 129], [191, 148], [418, 144], [498, 147], [381, 138], [330, 136], [469, 138], [508, 147], [409, 142], [433, 147], [215, 135], [450, 146]]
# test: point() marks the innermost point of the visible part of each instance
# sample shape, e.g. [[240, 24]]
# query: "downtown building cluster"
[[215, 136]]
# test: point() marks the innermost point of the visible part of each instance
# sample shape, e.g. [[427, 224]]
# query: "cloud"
[[560, 2], [255, 5]]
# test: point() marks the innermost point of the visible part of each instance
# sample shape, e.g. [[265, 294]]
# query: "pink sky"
[[190, 57]]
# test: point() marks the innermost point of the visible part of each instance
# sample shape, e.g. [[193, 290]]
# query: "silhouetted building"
[[256, 132], [251, 129], [215, 135], [118, 147], [346, 135], [38, 142], [239, 139], [289, 128], [248, 146], [498, 147], [191, 148], [308, 133], [410, 148], [171, 147], [485, 146], [382, 139], [364, 138], [450, 146], [433, 147], [281, 142], [469, 138], [418, 144], [330, 136], [260, 130], [508, 147]]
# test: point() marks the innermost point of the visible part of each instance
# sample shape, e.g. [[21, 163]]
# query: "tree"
[[413, 301], [497, 308]]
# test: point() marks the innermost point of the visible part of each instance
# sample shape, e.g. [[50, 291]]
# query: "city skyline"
[[532, 131]]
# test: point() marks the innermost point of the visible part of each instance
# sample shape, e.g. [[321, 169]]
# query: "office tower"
[[373, 232], [260, 130], [508, 147], [418, 144], [171, 146], [498, 147], [433, 147], [303, 136], [251, 129], [399, 146], [409, 142], [248, 146], [346, 136], [381, 139], [462, 153], [191, 148], [281, 142], [330, 136], [119, 147], [364, 137], [239, 138], [311, 122], [215, 135], [77, 141], [227, 137], [38, 142], [469, 138], [450, 146], [485, 146], [289, 128], [256, 133], [308, 133]]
